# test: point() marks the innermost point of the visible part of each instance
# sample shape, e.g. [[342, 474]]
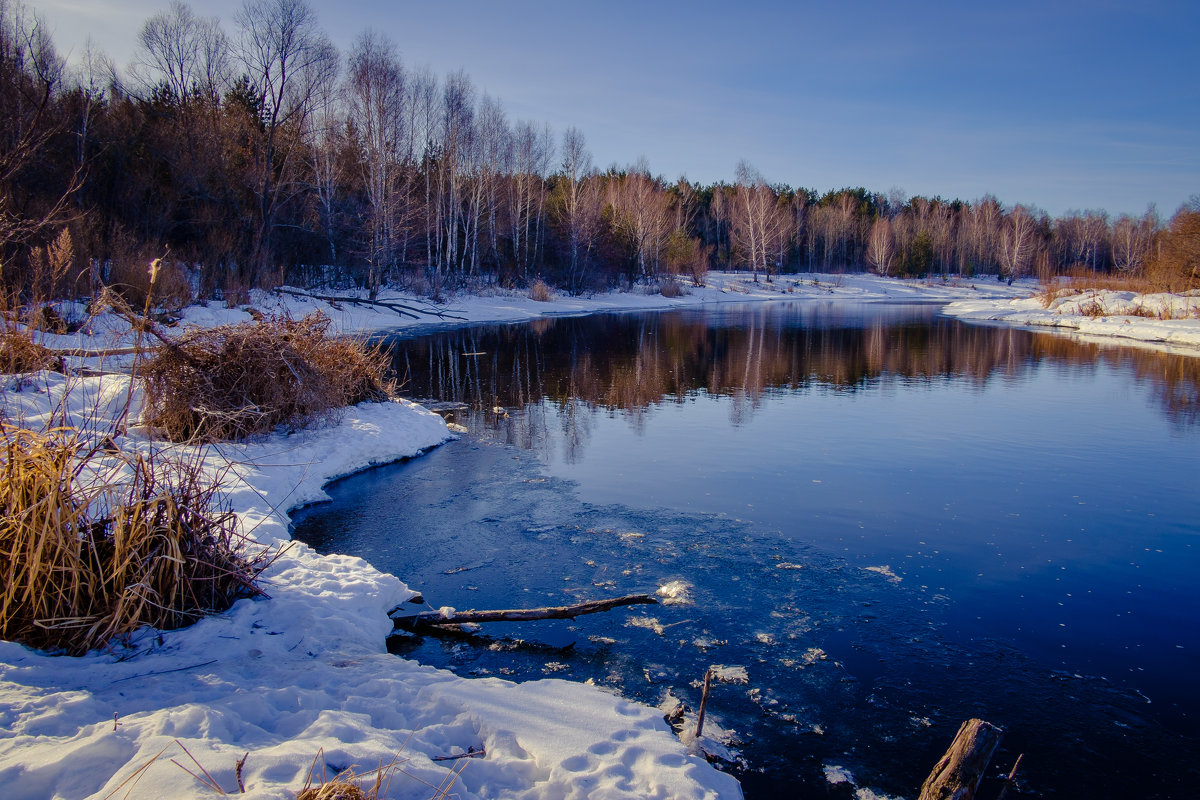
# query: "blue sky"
[[1061, 105]]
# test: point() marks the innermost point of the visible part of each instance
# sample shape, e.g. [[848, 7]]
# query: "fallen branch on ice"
[[403, 619]]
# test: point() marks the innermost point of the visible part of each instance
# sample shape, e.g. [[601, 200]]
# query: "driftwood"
[[403, 309], [957, 775], [404, 619]]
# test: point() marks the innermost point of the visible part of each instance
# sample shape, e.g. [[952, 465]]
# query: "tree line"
[[257, 154]]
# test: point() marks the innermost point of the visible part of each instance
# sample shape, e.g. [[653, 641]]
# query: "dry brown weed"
[[96, 543], [241, 380]]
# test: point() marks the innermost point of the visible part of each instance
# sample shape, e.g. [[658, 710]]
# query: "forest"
[[254, 154]]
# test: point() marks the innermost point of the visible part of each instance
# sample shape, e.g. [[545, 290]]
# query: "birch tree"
[[1017, 243], [751, 216], [881, 246]]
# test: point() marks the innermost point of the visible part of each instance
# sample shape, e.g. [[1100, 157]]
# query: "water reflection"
[[632, 362]]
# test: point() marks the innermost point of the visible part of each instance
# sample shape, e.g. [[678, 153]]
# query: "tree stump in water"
[[957, 775]]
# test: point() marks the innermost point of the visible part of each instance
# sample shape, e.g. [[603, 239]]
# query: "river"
[[892, 520]]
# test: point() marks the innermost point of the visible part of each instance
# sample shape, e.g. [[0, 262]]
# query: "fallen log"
[[957, 775], [406, 619]]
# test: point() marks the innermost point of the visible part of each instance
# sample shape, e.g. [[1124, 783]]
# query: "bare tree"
[[31, 75], [576, 166], [186, 53], [1017, 243], [881, 247], [285, 54], [752, 219], [532, 153], [326, 137], [1131, 239], [375, 88], [643, 216]]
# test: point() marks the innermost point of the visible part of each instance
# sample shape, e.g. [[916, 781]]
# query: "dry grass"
[[349, 785], [95, 544], [539, 291], [241, 380], [20, 353], [1150, 280]]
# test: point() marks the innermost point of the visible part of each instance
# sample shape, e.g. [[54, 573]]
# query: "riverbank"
[[1168, 321], [280, 680]]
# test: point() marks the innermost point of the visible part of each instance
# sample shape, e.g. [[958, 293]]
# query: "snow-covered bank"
[[1160, 319], [305, 671]]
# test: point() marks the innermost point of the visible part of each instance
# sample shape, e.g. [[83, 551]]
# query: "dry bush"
[[670, 287], [235, 291], [95, 544], [20, 353], [1049, 294], [172, 287], [1175, 265], [240, 380], [539, 291]]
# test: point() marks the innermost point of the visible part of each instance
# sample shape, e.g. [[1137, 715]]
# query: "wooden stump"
[[957, 775]]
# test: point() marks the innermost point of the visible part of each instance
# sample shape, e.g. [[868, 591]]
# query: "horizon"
[[1024, 103]]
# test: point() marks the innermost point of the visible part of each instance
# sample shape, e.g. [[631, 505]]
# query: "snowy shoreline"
[[305, 671]]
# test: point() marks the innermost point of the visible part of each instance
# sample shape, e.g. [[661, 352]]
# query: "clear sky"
[[1061, 105]]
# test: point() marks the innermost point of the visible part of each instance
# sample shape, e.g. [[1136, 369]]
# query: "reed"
[[96, 543]]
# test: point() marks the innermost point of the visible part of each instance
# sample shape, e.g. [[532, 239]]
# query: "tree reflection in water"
[[744, 354]]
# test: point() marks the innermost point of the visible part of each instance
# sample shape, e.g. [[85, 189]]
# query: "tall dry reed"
[[96, 543]]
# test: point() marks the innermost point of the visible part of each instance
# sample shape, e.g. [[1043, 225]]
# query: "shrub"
[[669, 287], [539, 291], [240, 380], [20, 353], [95, 544]]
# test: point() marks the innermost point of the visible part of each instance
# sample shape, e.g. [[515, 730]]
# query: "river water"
[[892, 520]]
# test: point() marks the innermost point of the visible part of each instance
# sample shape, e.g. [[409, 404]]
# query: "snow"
[[302, 677], [1166, 321]]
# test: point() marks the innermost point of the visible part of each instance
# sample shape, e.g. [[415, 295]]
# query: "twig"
[[471, 753], [163, 672], [1011, 777], [237, 771]]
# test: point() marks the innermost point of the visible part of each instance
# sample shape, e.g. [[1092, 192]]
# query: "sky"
[[1062, 105]]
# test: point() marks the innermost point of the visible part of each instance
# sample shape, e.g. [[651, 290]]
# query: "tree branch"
[[400, 619]]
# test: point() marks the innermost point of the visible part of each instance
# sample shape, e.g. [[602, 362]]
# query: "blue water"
[[894, 521]]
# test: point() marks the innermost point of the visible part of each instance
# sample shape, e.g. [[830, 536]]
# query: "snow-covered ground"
[[303, 675], [1165, 320]]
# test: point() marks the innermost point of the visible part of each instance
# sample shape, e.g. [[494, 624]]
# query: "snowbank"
[[1163, 319], [279, 680]]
